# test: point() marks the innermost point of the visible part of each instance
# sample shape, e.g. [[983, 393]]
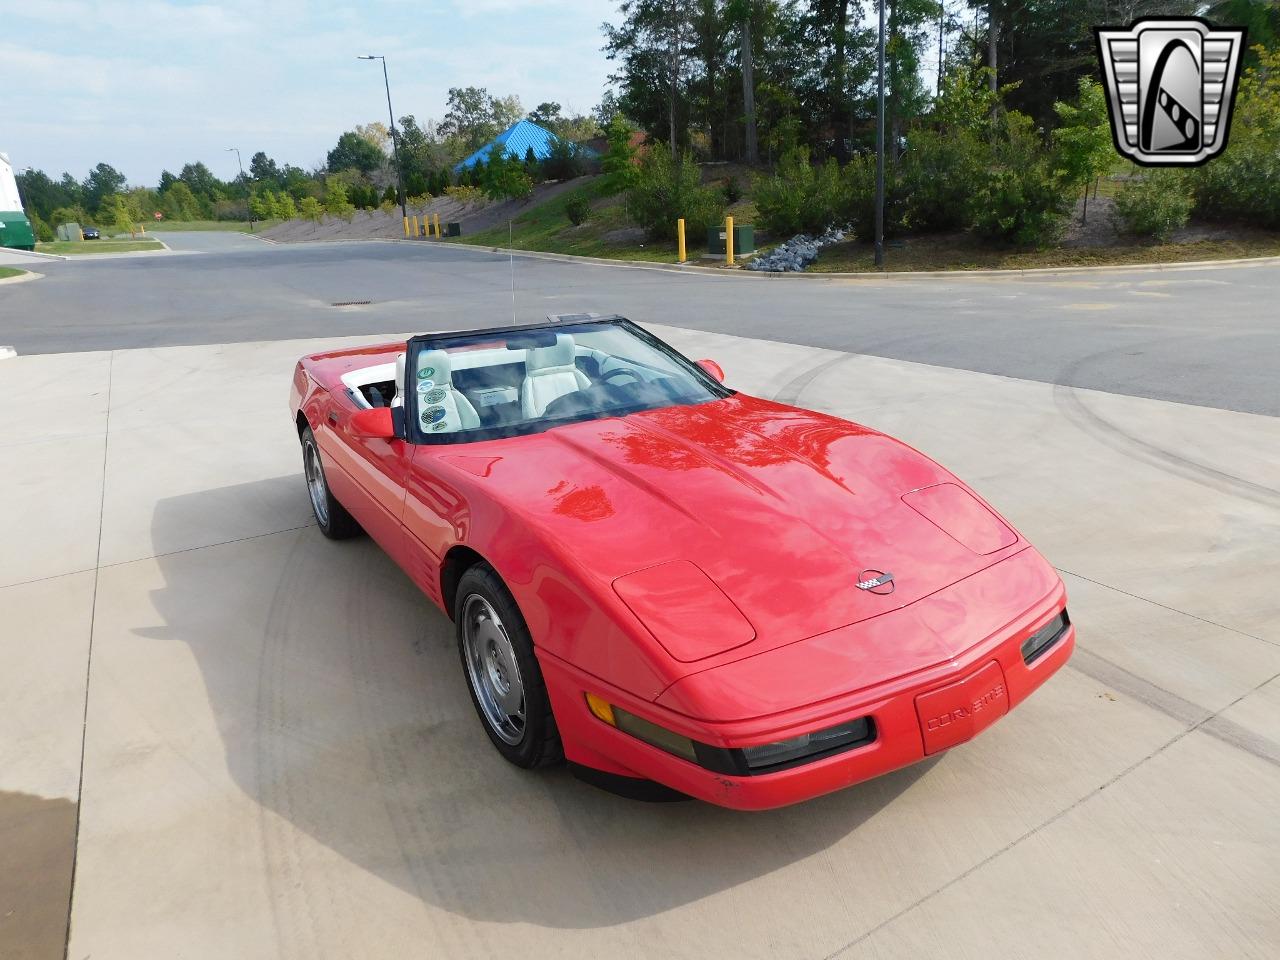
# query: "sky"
[[148, 85]]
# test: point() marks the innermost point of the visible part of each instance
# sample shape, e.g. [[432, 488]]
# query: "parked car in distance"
[[672, 585], [90, 233]]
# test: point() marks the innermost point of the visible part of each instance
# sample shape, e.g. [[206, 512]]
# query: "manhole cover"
[[352, 303]]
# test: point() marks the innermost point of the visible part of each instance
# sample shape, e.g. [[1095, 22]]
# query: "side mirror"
[[712, 369], [374, 424]]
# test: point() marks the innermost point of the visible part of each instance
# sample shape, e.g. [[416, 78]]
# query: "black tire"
[[537, 740], [331, 516]]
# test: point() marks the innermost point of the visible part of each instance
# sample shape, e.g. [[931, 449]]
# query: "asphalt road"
[[1207, 336]]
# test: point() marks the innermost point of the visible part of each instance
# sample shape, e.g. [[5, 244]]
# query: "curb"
[[34, 253], [23, 277], [886, 274], [818, 275]]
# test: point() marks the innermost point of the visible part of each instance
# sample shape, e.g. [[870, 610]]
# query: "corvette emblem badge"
[[1170, 86], [876, 581]]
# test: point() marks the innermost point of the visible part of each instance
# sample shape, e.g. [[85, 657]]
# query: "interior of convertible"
[[530, 379]]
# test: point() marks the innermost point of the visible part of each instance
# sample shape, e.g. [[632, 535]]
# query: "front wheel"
[[502, 671], [331, 516]]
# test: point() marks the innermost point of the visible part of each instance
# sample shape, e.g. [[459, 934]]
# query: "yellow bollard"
[[438, 234], [680, 238], [415, 226], [406, 226], [728, 240]]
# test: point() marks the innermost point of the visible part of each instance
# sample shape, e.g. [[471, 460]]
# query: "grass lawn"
[[957, 252], [7, 272], [240, 226], [81, 247], [606, 233]]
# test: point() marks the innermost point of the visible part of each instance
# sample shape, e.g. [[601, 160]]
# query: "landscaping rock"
[[796, 254]]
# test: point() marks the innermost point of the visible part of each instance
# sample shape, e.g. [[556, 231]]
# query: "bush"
[[503, 178], [732, 190], [1243, 184], [1020, 200], [668, 189], [230, 210], [44, 233], [464, 193], [1154, 205], [799, 197], [577, 208], [936, 177], [858, 199]]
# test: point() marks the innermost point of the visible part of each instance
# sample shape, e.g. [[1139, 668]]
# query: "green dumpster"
[[15, 230]]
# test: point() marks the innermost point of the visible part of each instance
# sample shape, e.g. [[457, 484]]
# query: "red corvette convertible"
[[678, 588]]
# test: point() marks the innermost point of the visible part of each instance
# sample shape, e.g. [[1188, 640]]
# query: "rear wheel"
[[502, 671], [331, 516]]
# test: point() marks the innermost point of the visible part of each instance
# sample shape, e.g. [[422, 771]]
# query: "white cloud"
[[149, 84]]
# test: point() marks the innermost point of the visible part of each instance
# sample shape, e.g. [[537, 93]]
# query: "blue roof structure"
[[517, 140]]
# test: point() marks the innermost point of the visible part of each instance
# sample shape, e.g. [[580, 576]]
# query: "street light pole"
[[395, 141], [880, 143], [240, 164]]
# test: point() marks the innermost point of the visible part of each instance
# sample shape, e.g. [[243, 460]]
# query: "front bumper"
[[914, 716]]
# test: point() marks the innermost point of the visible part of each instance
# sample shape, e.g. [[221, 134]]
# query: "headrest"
[[561, 355], [433, 365]]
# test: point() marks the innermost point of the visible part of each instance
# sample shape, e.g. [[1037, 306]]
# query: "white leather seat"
[[549, 373], [398, 399], [441, 408]]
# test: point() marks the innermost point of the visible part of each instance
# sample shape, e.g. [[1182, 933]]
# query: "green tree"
[[116, 212], [1083, 139], [179, 203], [473, 117], [207, 188], [264, 169], [310, 209], [546, 115], [354, 152], [619, 162], [261, 205], [503, 177], [336, 200], [286, 209], [103, 181]]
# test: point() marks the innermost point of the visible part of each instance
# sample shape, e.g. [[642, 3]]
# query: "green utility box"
[[453, 229], [744, 239], [15, 230]]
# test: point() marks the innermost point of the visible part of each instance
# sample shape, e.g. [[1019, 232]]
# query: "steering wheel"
[[607, 378]]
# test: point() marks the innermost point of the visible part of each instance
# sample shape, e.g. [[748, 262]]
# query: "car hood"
[[783, 510]]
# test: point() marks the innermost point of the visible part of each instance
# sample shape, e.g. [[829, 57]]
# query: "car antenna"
[[511, 257]]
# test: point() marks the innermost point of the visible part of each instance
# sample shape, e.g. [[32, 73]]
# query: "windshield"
[[473, 386]]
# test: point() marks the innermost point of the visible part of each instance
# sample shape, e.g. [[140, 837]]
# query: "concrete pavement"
[[281, 760], [1206, 336]]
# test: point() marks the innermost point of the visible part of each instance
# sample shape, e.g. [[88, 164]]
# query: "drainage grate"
[[352, 303]]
